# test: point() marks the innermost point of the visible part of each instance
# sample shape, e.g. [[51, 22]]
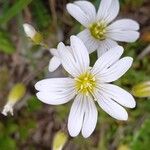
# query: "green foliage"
[[132, 3], [17, 7], [6, 44], [41, 14], [4, 76], [141, 140], [7, 143], [34, 104]]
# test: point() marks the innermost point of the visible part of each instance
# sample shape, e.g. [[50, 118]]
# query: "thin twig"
[[145, 52], [53, 11]]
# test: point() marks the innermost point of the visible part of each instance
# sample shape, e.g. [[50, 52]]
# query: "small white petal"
[[68, 61], [108, 10], [54, 63], [55, 91], [107, 59], [79, 14], [115, 71], [124, 24], [80, 53], [76, 115], [90, 118], [111, 107], [118, 94], [123, 36], [88, 40], [54, 84], [56, 98], [54, 52], [88, 8], [29, 30], [105, 45]]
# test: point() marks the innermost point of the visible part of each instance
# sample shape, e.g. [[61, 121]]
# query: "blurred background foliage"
[[34, 124]]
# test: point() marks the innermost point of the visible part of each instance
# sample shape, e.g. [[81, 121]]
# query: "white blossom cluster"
[[86, 85]]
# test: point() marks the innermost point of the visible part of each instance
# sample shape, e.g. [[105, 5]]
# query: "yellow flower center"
[[98, 30], [85, 83]]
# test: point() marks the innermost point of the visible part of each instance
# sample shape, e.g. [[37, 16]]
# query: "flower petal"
[[54, 52], [115, 71], [111, 107], [107, 59], [54, 84], [76, 115], [105, 45], [67, 60], [90, 118], [55, 91], [54, 63], [79, 10], [80, 53], [56, 98], [88, 40], [108, 10], [88, 8], [123, 35], [124, 24], [118, 94]]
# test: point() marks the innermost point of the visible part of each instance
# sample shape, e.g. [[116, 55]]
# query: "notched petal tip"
[[37, 85], [129, 60], [69, 7], [123, 117], [119, 49], [133, 104], [73, 36], [72, 134]]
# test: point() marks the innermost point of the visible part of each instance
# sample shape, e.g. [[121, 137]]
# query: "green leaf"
[[34, 104], [40, 14], [142, 137], [18, 6], [7, 143], [6, 44]]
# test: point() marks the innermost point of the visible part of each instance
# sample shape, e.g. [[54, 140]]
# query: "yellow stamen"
[[85, 83], [98, 30]]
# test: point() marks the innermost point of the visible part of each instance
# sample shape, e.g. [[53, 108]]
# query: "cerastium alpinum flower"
[[101, 33], [88, 85]]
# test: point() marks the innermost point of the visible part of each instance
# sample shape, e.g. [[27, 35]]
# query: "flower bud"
[[15, 94], [35, 36], [142, 89], [59, 141], [123, 147]]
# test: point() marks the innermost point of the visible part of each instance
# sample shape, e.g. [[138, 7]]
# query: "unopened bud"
[[16, 93], [35, 36], [142, 89], [123, 147], [59, 141]]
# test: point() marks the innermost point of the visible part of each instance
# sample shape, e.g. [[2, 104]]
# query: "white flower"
[[100, 34], [87, 85]]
